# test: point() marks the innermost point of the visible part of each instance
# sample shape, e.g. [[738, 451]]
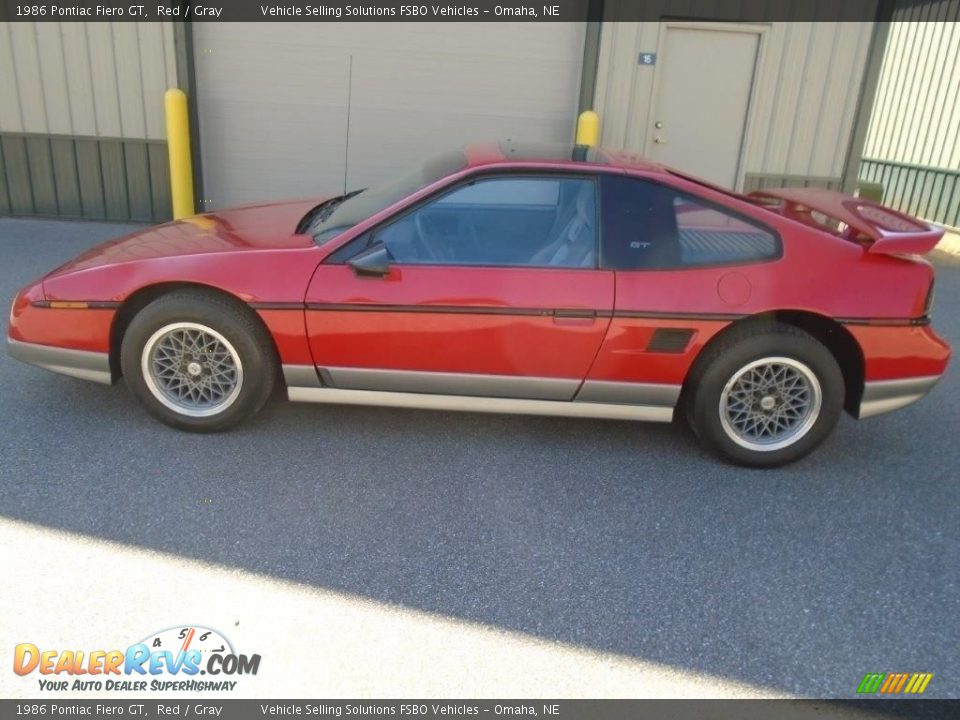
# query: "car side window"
[[500, 222], [649, 226]]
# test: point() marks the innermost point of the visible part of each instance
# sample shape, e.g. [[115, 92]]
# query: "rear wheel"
[[765, 395], [198, 361]]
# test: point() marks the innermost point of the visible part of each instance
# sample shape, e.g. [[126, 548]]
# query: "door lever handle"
[[575, 313]]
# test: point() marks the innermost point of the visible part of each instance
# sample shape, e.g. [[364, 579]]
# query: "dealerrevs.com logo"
[[190, 658]]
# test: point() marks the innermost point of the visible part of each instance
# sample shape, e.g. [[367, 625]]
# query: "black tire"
[[246, 340], [723, 362]]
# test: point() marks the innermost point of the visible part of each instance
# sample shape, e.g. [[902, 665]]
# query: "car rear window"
[[651, 226]]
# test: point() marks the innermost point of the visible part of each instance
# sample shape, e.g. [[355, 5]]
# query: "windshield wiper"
[[323, 211], [329, 207], [307, 219]]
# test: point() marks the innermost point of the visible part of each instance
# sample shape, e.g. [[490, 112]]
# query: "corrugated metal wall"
[[913, 142], [803, 104], [81, 119]]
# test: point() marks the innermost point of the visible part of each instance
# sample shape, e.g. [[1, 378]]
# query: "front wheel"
[[766, 395], [197, 361]]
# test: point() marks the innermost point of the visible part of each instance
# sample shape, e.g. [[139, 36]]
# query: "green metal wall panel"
[[84, 177], [42, 185], [114, 172], [65, 179], [159, 180], [18, 175], [4, 190], [139, 195], [91, 180]]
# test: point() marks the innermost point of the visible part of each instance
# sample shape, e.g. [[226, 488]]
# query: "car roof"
[[509, 151]]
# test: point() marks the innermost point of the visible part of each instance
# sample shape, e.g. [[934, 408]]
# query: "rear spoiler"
[[877, 228]]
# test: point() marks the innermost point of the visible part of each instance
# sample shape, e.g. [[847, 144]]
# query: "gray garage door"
[[293, 110]]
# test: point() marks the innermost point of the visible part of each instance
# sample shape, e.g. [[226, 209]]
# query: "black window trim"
[[484, 174], [778, 255]]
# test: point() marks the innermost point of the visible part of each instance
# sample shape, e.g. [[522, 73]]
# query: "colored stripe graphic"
[[889, 683], [918, 683], [871, 682], [894, 683]]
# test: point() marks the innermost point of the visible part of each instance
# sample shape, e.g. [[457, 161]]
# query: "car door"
[[488, 288], [687, 266]]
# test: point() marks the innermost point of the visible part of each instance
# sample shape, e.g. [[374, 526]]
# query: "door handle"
[[574, 316]]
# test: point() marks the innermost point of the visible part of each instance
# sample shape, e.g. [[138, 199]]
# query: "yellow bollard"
[[588, 128], [178, 144]]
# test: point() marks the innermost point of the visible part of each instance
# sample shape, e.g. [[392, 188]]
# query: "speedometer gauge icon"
[[188, 637]]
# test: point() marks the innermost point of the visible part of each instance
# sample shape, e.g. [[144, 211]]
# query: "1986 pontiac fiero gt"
[[517, 280]]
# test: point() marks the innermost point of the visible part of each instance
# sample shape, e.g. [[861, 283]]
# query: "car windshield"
[[334, 216]]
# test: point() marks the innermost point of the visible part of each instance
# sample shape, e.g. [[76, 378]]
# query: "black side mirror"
[[373, 262]]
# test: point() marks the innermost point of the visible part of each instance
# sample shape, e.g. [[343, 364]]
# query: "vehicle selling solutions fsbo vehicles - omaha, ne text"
[[508, 279]]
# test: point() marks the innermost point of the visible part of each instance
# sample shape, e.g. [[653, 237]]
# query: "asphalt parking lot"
[[628, 539]]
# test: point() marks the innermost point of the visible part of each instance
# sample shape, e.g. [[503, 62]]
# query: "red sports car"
[[513, 279]]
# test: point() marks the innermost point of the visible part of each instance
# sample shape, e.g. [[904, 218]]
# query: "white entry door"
[[704, 81]]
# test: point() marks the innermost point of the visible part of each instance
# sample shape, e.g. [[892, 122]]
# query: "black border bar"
[[456, 10], [428, 709]]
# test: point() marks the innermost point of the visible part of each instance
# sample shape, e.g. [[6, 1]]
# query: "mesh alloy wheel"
[[770, 404], [192, 369]]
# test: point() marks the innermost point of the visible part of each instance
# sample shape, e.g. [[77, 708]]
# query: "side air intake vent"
[[669, 340]]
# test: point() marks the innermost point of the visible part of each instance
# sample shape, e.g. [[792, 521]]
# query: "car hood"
[[242, 229]]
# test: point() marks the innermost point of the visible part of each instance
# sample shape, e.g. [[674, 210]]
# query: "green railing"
[[931, 193]]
